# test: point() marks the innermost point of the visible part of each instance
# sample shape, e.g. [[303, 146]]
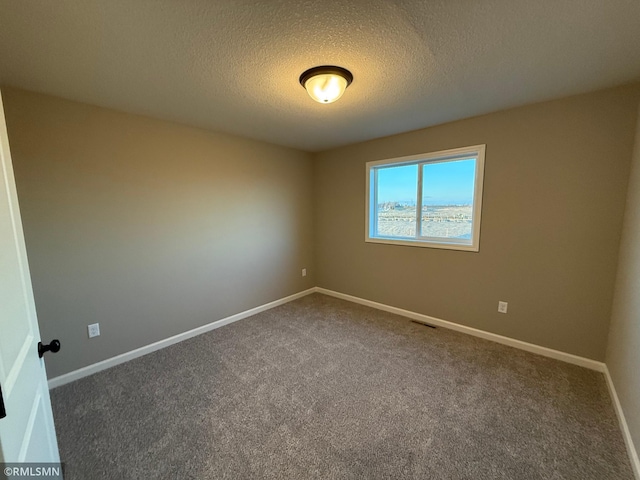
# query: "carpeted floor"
[[325, 389]]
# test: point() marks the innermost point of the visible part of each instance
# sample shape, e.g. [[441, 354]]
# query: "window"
[[429, 200]]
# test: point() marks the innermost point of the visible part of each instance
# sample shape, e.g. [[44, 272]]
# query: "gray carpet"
[[326, 389]]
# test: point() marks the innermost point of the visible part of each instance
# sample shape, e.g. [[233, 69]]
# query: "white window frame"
[[476, 151]]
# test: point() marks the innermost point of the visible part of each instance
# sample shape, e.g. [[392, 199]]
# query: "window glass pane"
[[397, 191], [447, 199]]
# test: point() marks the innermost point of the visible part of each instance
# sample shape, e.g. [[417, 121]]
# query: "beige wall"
[[623, 352], [150, 228], [554, 192]]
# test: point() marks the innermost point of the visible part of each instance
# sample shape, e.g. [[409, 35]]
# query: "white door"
[[27, 433]]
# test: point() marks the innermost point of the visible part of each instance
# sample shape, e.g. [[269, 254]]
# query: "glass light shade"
[[326, 87]]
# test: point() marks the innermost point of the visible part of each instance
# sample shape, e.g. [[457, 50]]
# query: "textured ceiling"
[[233, 65]]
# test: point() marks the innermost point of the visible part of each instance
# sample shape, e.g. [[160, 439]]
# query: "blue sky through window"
[[398, 184], [444, 183]]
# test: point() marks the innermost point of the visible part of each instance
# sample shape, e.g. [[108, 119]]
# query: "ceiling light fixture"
[[327, 83]]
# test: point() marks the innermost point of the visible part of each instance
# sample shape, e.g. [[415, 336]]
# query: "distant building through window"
[[428, 200]]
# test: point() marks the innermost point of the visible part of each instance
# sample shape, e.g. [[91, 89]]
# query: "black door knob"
[[54, 347]]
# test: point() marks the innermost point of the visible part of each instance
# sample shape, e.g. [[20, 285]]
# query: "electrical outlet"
[[94, 330], [304, 272], [502, 307]]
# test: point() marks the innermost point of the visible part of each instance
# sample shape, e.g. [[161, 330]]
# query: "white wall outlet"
[[304, 272], [94, 330], [502, 307]]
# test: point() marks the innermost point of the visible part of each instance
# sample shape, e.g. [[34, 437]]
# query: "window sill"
[[406, 242]]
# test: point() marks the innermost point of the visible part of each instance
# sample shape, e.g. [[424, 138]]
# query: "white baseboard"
[[626, 434], [529, 347], [111, 362], [138, 352]]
